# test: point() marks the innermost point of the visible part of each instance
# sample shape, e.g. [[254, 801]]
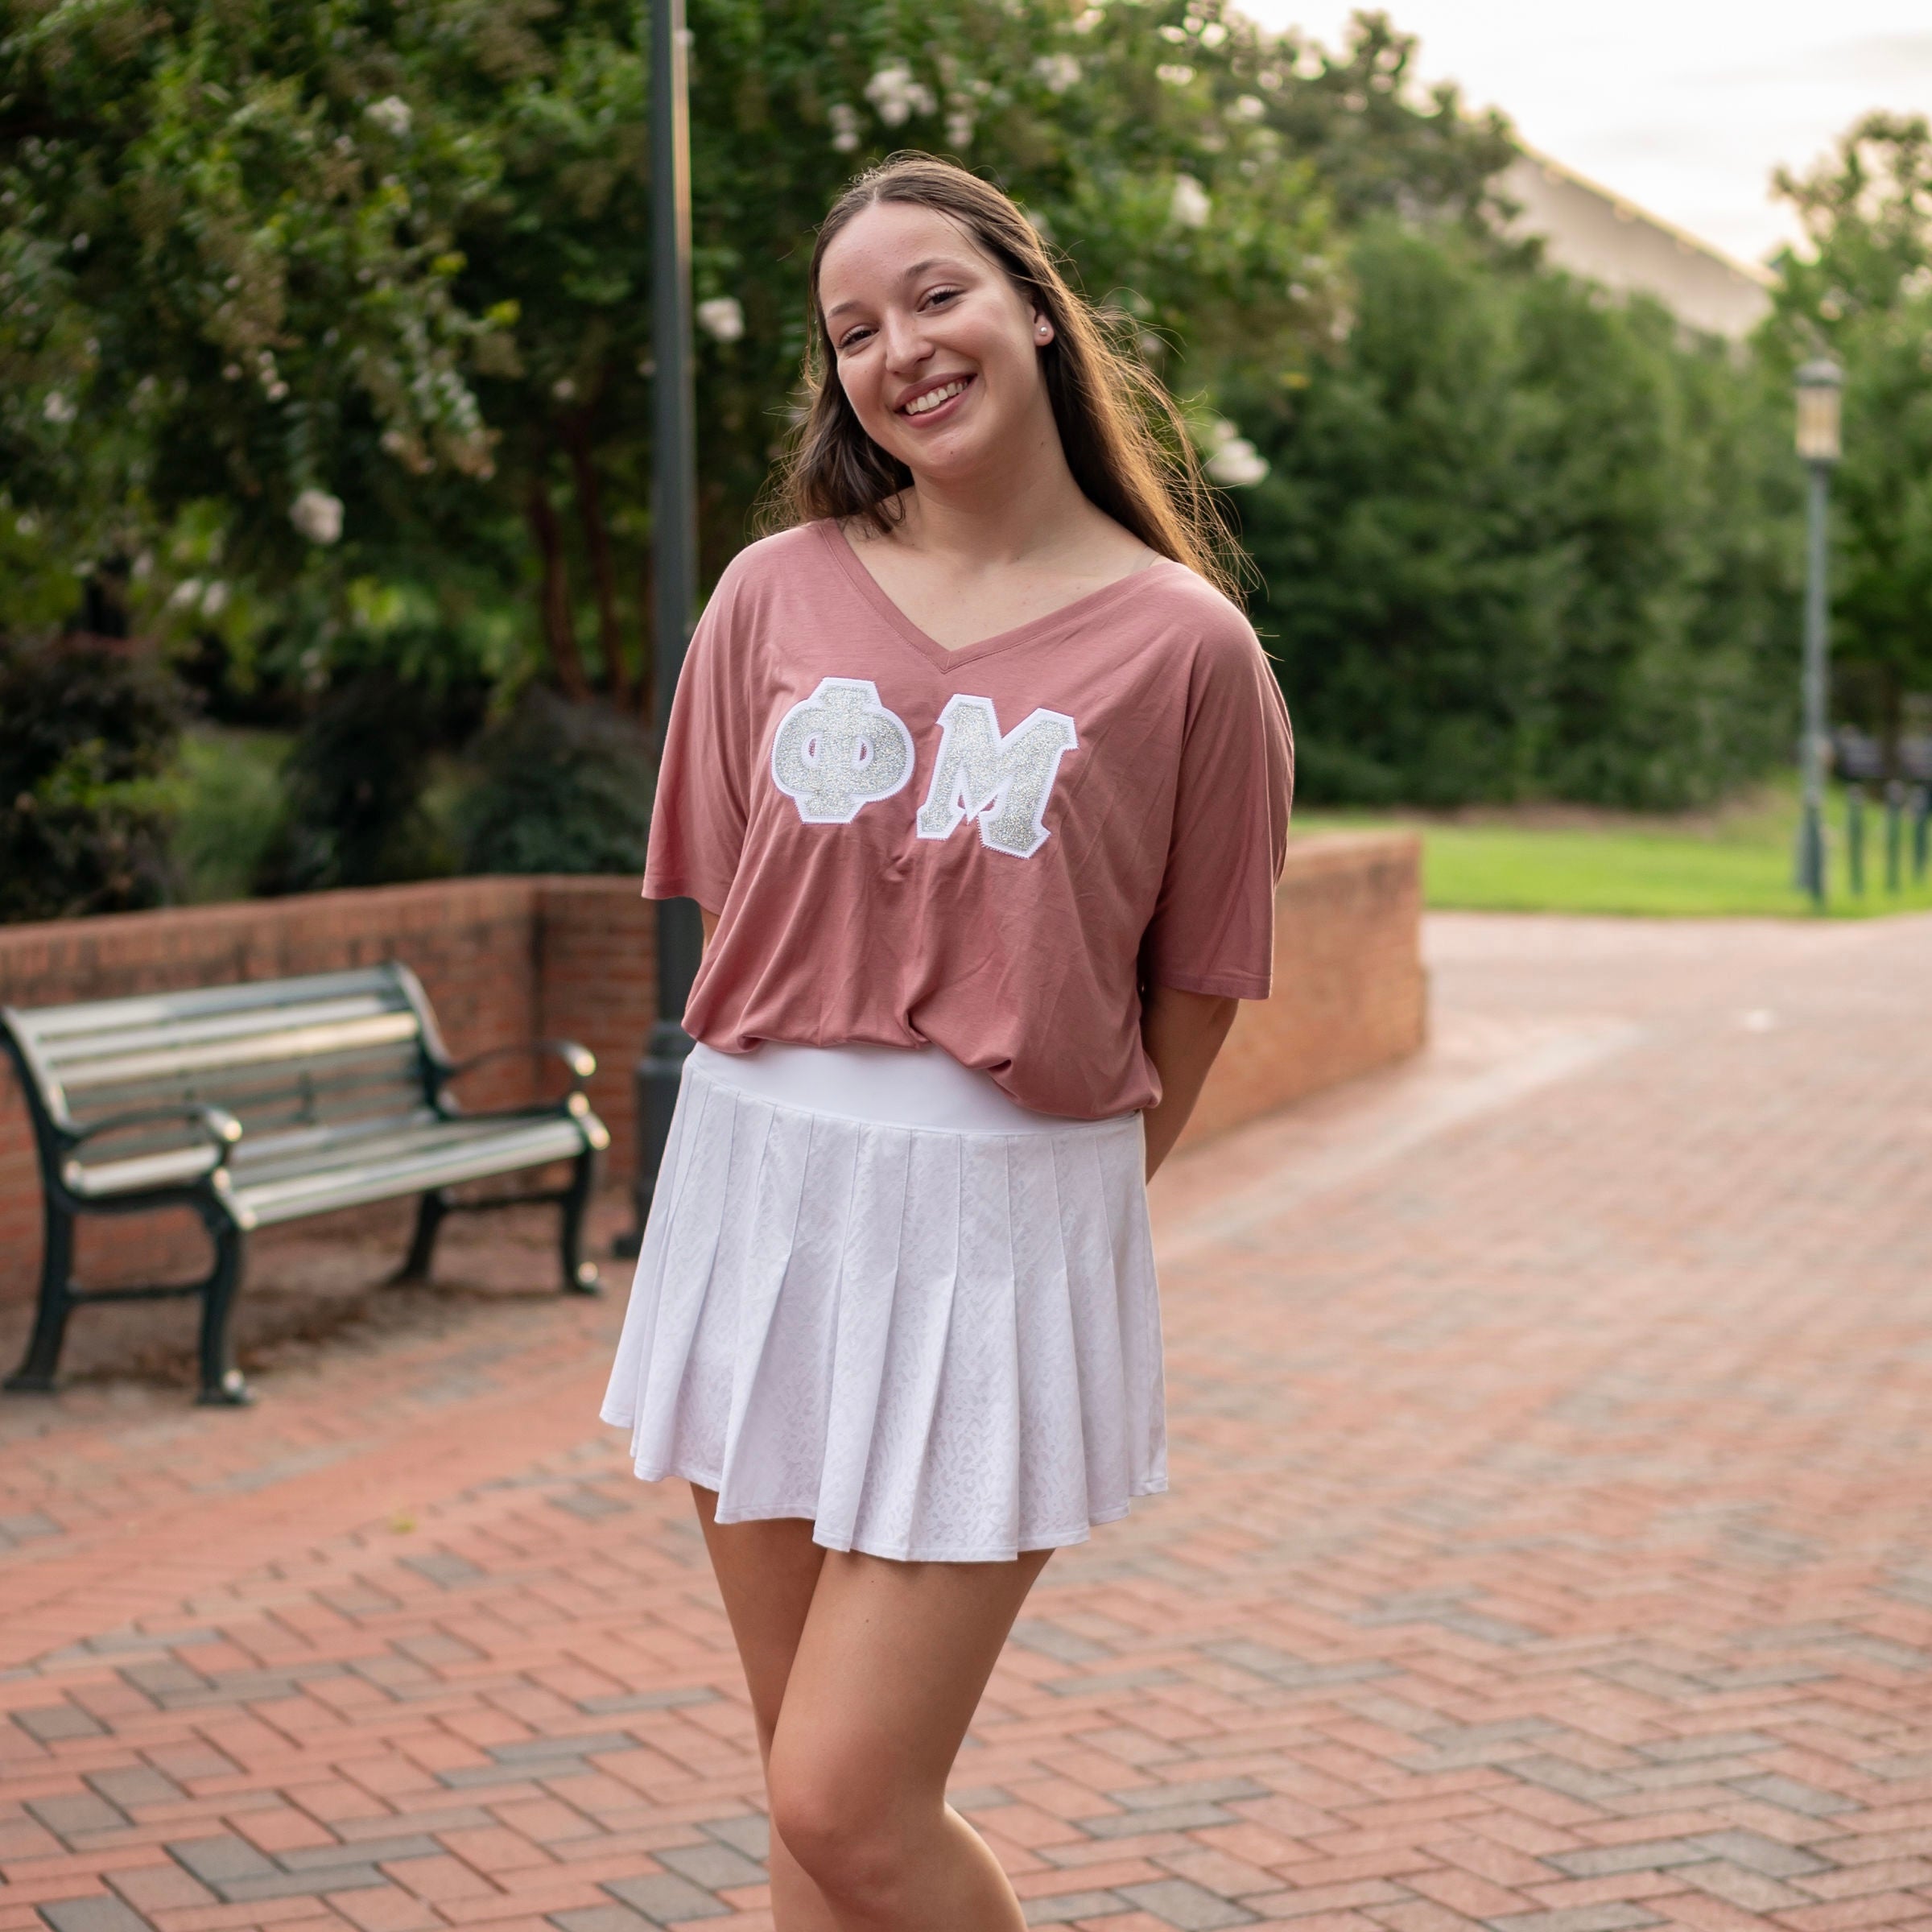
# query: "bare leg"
[[885, 1680], [767, 1572]]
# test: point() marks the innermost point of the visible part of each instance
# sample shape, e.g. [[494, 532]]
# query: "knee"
[[839, 1824]]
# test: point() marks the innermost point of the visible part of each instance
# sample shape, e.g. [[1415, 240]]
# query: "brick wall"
[[504, 960], [596, 983], [1350, 993]]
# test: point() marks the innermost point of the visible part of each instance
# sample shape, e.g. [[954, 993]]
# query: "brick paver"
[[1550, 1550]]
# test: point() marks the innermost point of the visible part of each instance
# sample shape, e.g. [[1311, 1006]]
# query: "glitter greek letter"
[[839, 750], [1004, 782]]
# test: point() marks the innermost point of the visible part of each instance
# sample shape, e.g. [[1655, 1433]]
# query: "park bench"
[[268, 1102]]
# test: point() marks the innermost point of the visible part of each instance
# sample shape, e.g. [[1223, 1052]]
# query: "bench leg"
[[579, 1276], [431, 1212], [221, 1383], [35, 1374]]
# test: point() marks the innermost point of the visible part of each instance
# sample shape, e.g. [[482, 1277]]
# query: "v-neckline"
[[936, 653]]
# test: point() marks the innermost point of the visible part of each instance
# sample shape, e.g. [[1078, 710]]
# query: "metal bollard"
[[1895, 835], [1854, 835], [1921, 815]]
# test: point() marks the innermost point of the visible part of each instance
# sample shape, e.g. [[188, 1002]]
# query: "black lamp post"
[[1819, 383], [674, 556]]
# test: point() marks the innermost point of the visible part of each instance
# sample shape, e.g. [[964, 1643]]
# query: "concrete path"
[[1550, 1547]]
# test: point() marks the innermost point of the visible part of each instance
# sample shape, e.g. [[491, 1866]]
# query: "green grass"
[[1737, 860]]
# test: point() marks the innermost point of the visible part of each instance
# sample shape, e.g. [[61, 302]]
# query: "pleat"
[[1120, 1156], [1106, 1393], [675, 1170], [775, 1409], [948, 1478], [866, 1293], [720, 1164], [926, 1280], [1052, 1400]]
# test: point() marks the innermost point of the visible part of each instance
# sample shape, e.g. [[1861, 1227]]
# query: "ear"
[[1042, 328]]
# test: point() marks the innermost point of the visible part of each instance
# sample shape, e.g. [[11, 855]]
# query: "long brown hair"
[[1124, 441]]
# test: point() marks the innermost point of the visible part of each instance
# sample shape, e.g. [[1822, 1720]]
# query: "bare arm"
[[709, 922], [1182, 1032]]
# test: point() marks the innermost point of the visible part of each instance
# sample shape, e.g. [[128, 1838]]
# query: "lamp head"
[[1819, 384]]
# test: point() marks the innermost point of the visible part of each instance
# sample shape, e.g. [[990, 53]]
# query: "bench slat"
[[341, 1082], [277, 1047], [47, 1024], [496, 1147], [279, 1159], [77, 1049], [264, 1170], [178, 1167]]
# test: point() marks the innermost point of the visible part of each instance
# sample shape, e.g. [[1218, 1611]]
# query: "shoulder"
[[771, 560], [1211, 627]]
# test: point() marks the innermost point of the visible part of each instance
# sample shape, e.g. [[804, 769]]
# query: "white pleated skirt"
[[877, 1293]]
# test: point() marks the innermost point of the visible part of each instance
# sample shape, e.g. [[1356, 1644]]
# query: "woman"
[[982, 785]]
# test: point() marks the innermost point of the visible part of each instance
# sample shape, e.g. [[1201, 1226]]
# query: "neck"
[[1027, 506]]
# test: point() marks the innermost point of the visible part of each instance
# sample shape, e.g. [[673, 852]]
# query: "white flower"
[[185, 595], [895, 96], [59, 408], [391, 114], [721, 318], [1237, 462], [564, 388], [844, 118], [214, 600], [1247, 107], [1232, 460], [1056, 72], [960, 123], [1190, 206], [317, 516], [1174, 74]]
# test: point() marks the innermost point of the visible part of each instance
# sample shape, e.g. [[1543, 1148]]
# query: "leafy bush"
[[87, 727], [230, 810], [564, 788], [354, 786]]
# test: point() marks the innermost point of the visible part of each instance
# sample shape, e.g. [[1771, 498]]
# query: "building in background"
[[1592, 232]]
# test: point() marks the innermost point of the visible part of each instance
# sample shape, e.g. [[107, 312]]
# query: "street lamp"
[[673, 557], [1819, 383]]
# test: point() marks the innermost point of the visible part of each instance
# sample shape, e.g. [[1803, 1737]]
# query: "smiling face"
[[936, 348]]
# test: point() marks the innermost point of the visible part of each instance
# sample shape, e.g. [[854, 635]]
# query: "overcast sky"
[[1684, 105]]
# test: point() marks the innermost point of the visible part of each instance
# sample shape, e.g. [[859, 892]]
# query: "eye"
[[944, 294], [852, 339]]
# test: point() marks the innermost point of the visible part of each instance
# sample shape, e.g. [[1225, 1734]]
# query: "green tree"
[[1519, 541], [1863, 292], [371, 281]]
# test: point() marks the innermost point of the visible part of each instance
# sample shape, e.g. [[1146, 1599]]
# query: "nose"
[[906, 343]]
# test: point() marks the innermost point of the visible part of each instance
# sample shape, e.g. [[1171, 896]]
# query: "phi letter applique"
[[839, 750], [1004, 782]]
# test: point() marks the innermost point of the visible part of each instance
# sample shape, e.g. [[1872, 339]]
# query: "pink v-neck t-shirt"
[[991, 850]]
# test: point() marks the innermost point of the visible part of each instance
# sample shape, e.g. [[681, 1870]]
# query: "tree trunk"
[[597, 542], [559, 635]]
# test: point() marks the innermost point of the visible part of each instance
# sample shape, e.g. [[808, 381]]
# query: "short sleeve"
[[1213, 926], [698, 817]]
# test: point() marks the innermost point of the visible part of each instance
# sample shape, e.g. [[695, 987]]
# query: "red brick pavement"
[[1549, 1546]]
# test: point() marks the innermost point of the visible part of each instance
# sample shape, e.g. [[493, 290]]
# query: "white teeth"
[[933, 398]]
